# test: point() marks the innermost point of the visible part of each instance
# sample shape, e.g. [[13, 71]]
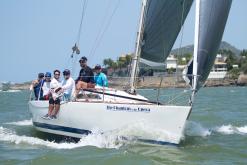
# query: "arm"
[[105, 81], [69, 84]]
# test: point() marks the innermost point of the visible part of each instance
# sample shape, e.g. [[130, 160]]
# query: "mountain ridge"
[[190, 48]]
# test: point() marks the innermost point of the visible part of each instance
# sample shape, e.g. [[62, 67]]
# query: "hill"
[[189, 49]]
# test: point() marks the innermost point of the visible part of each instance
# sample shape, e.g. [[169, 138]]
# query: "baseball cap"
[[48, 74], [83, 59], [66, 72], [41, 75], [97, 67]]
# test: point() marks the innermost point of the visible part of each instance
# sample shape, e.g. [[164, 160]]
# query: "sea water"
[[216, 133]]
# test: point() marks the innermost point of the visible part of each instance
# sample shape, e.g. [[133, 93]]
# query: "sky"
[[37, 35]]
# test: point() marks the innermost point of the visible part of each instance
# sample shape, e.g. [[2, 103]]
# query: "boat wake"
[[21, 123], [196, 129], [109, 140], [97, 140], [10, 91]]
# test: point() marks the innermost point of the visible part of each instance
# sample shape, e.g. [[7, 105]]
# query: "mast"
[[196, 43], [138, 49]]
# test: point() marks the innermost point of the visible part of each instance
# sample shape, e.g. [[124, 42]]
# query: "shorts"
[[90, 85], [52, 101]]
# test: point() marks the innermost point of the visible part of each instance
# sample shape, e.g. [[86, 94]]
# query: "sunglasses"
[[57, 74]]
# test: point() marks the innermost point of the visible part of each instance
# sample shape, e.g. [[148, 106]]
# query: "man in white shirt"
[[55, 96], [68, 85]]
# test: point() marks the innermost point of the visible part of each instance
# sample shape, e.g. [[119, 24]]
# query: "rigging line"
[[180, 44], [102, 24], [182, 29], [106, 27], [75, 48], [82, 18]]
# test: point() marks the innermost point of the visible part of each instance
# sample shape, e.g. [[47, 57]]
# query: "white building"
[[219, 70], [171, 62]]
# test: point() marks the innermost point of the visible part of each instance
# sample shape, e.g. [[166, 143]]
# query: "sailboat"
[[113, 110]]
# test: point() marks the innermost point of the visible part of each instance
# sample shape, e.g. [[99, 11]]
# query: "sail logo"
[[127, 109]]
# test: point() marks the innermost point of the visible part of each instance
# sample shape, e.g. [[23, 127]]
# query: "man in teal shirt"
[[100, 78]]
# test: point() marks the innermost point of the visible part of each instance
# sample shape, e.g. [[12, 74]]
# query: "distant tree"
[[120, 63], [114, 66], [181, 58], [231, 59], [243, 53], [234, 73], [244, 68], [108, 62]]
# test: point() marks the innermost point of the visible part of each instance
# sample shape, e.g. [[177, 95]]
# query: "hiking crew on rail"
[[55, 90]]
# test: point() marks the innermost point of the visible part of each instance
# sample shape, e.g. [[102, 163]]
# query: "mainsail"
[[210, 24], [163, 20]]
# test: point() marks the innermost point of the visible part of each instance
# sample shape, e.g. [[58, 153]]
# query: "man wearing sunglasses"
[[86, 76], [54, 96], [68, 85], [46, 86]]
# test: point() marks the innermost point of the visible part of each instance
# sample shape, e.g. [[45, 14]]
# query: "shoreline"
[[155, 82]]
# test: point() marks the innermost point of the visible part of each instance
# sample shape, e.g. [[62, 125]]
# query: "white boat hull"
[[146, 122]]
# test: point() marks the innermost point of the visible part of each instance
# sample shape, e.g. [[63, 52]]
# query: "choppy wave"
[[21, 123], [110, 140], [196, 129], [229, 129], [97, 140]]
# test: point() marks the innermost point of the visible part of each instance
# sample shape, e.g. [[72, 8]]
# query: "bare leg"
[[80, 85], [57, 107], [51, 107]]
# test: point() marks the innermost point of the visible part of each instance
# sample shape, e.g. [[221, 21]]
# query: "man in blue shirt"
[[100, 78]]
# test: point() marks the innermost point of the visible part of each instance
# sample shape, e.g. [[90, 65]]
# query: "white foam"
[[145, 129], [229, 129], [225, 129], [21, 123], [196, 129], [11, 91], [97, 140], [242, 129]]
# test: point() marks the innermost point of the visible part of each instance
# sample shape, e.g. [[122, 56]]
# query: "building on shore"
[[219, 70]]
